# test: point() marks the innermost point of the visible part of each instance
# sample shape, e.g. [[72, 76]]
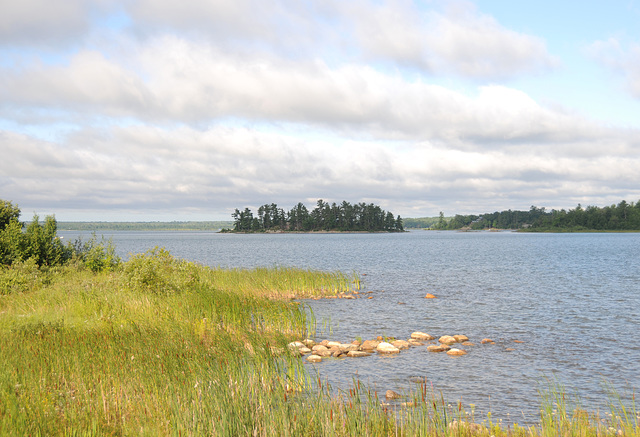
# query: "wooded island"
[[345, 217]]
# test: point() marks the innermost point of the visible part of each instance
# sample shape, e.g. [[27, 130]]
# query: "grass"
[[160, 346]]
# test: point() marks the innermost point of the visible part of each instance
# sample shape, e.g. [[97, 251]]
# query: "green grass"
[[159, 346]]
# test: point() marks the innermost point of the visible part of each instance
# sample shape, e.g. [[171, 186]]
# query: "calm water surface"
[[572, 299]]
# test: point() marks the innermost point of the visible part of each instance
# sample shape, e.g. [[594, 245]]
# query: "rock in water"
[[401, 344], [357, 354], [387, 348], [421, 336], [390, 394], [369, 345], [447, 339]]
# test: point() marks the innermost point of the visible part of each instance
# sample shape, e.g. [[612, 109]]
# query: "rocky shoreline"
[[315, 352]]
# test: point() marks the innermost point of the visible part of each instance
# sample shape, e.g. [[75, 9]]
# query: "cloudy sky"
[[185, 110]]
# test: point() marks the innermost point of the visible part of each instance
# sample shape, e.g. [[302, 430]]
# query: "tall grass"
[[160, 346]]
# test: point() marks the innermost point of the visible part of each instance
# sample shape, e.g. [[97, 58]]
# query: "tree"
[[441, 223], [8, 212]]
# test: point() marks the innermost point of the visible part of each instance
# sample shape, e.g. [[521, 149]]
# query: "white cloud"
[[460, 41], [621, 60], [226, 104], [187, 82], [145, 167]]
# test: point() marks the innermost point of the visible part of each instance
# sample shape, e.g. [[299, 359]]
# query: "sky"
[[162, 110]]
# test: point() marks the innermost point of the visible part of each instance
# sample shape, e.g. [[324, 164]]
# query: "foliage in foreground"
[[37, 244], [161, 346]]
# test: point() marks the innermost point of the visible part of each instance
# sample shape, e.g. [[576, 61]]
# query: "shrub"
[[158, 272], [96, 255]]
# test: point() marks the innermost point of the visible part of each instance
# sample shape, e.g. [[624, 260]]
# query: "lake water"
[[572, 299]]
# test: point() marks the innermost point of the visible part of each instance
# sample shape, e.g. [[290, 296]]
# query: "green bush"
[[157, 271], [39, 242], [22, 276], [96, 255]]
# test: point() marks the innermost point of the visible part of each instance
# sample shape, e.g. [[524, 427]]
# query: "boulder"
[[319, 347], [324, 353], [357, 354], [487, 340], [295, 344], [333, 344], [467, 343], [421, 336], [387, 348], [390, 394], [414, 342], [314, 358], [447, 339], [401, 344], [369, 345], [308, 342], [346, 347], [429, 296], [438, 348], [461, 338], [456, 352], [304, 350]]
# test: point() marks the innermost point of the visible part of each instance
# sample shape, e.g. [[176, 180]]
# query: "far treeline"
[[621, 217], [343, 217], [144, 226]]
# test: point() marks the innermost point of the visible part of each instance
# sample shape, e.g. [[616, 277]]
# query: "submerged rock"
[[314, 358], [429, 296]]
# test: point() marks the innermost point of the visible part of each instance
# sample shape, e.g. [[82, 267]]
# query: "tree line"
[[343, 217], [145, 226], [621, 217]]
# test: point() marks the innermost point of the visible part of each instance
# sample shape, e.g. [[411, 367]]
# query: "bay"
[[561, 308]]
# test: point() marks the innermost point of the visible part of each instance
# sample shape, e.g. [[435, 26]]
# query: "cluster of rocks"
[[315, 352]]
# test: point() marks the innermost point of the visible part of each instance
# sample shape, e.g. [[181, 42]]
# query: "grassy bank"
[[159, 346]]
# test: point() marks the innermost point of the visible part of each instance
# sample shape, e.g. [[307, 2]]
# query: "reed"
[[160, 346]]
